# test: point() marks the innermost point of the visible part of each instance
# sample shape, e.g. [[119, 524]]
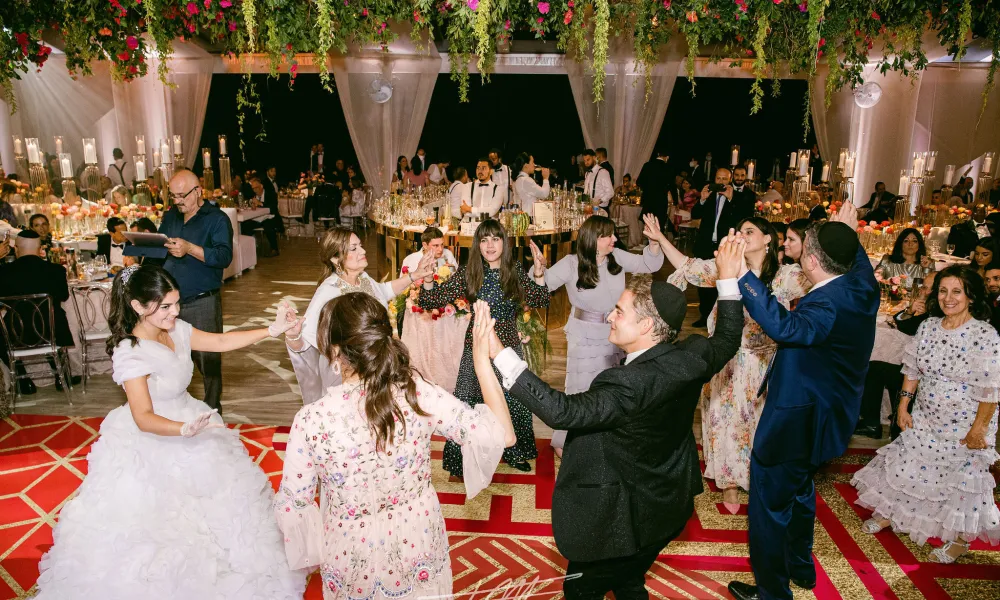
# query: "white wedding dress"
[[168, 517]]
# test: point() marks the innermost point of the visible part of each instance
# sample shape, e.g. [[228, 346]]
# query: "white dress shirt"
[[458, 194], [731, 287], [435, 173], [116, 255], [597, 184], [527, 192], [125, 177], [486, 198], [413, 260], [501, 177]]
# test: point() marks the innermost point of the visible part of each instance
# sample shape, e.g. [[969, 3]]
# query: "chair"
[[91, 304], [291, 209], [324, 224], [28, 325]]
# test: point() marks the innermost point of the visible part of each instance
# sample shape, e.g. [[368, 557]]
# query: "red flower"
[[875, 16], [822, 42], [208, 3], [124, 56], [104, 31], [232, 26], [225, 3], [192, 8], [406, 270], [568, 17], [132, 42], [692, 16]]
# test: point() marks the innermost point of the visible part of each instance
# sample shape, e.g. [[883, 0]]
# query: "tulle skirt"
[[169, 517]]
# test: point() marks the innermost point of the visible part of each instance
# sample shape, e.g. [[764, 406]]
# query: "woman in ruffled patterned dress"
[[730, 405], [933, 481], [367, 445]]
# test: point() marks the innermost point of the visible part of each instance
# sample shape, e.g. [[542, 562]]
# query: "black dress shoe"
[[521, 466], [870, 431], [26, 387], [700, 323], [806, 585], [743, 591]]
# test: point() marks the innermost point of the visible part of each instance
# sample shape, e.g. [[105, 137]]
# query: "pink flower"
[[568, 17], [777, 1], [472, 4], [192, 8], [506, 24], [541, 19], [232, 26], [543, 7], [208, 3], [364, 12], [191, 27], [803, 7], [449, 310], [132, 42], [666, 4], [225, 3], [570, 4]]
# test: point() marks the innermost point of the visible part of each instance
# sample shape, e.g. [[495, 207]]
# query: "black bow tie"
[[117, 245], [483, 185]]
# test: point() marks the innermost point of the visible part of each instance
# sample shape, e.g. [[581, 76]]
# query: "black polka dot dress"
[[467, 389], [926, 482]]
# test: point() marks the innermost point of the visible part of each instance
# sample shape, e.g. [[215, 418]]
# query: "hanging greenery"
[[787, 35]]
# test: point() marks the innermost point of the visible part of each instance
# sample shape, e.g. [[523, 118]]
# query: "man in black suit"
[[654, 181], [111, 245], [719, 211], [602, 159], [881, 199], [629, 470], [30, 274], [270, 224], [696, 174], [742, 194]]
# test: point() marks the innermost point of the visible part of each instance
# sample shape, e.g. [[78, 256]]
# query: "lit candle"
[[825, 176], [164, 151], [849, 166], [949, 175], [140, 145], [931, 160], [734, 157], [33, 157], [206, 158], [918, 164], [140, 168], [65, 166], [17, 146], [89, 151], [843, 159], [751, 168], [59, 144], [177, 145], [222, 145], [156, 159], [792, 160], [803, 163], [904, 184], [987, 162]]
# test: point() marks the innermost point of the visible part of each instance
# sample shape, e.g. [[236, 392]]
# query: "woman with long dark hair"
[[172, 505], [402, 168], [933, 481], [730, 406], [367, 445], [416, 176], [492, 274], [908, 258], [344, 262], [595, 278], [795, 236]]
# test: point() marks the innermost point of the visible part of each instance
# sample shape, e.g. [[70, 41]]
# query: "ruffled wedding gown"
[[168, 517]]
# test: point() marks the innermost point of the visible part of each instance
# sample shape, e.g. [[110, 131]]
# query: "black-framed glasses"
[[179, 197]]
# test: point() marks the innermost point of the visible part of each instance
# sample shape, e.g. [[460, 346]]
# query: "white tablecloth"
[[889, 342], [252, 214], [435, 346]]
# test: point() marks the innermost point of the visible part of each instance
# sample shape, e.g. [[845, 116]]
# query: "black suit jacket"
[[630, 469], [104, 246], [611, 171], [732, 213], [908, 325], [886, 201], [654, 181], [33, 275]]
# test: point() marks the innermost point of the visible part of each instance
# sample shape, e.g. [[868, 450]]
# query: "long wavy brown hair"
[[333, 248], [510, 283], [357, 326]]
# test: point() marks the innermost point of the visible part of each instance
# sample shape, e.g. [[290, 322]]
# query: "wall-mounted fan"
[[868, 95], [380, 90]]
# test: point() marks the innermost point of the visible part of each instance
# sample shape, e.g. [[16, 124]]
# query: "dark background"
[[533, 113]]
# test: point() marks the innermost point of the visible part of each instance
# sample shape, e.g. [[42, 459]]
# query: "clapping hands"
[[425, 268], [538, 257], [729, 258]]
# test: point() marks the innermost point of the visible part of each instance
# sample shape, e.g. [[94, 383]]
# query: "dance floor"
[[504, 535]]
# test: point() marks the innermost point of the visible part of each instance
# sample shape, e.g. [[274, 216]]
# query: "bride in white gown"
[[172, 506]]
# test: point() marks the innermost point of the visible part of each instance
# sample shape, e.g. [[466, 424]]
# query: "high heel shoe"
[[873, 526], [521, 466], [944, 556], [730, 500]]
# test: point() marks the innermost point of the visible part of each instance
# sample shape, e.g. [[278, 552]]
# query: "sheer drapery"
[[187, 105], [624, 122]]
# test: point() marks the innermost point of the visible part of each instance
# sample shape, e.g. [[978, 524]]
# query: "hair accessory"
[[127, 272]]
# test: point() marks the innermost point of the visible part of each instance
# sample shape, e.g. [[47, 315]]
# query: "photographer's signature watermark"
[[509, 590]]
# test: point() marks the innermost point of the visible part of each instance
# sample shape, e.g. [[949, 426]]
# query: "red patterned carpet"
[[504, 534]]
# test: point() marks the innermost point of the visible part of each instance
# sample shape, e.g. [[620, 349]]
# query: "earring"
[[336, 367]]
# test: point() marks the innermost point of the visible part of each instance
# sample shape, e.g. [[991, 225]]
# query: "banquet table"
[[435, 346], [253, 214], [291, 206], [631, 215]]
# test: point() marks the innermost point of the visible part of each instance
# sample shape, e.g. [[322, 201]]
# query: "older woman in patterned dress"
[[492, 274]]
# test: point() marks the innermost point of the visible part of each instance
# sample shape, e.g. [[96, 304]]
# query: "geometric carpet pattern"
[[504, 536]]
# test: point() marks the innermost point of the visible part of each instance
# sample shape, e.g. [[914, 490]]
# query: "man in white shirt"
[[460, 192], [597, 183], [773, 194], [526, 191], [501, 175], [438, 173], [486, 197], [432, 240], [120, 171]]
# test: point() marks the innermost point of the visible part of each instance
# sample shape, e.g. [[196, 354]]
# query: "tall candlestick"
[[140, 168], [18, 149], [206, 158], [987, 162], [33, 156], [734, 156], [803, 163], [949, 175], [178, 149], [751, 168], [222, 145], [825, 176], [140, 145], [793, 160], [849, 163], [904, 184], [165, 151], [65, 166], [89, 151], [156, 159], [843, 159], [59, 144], [931, 161]]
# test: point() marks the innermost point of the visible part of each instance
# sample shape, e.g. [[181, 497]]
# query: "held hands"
[[199, 424], [485, 342], [729, 257], [177, 247], [538, 257], [286, 321], [848, 215], [975, 439]]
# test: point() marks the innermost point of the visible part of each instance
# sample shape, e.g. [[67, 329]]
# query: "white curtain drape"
[[381, 132], [186, 108], [624, 121]]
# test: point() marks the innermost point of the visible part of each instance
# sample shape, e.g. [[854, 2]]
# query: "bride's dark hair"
[[145, 284], [358, 326]]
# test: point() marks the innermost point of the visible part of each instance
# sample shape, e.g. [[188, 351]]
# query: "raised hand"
[[199, 424], [729, 257], [285, 320], [538, 257], [848, 215], [651, 228], [425, 269]]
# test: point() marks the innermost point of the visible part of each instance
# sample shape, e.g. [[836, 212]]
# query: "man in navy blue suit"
[[814, 388]]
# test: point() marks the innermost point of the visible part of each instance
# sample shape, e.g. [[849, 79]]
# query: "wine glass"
[[951, 249]]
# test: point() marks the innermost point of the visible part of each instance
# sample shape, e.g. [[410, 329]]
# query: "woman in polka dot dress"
[[934, 479], [493, 275]]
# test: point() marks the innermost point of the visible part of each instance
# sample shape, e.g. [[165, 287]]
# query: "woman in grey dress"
[[595, 278]]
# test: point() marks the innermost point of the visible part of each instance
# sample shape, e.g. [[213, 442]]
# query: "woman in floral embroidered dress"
[[367, 444], [492, 274], [730, 406]]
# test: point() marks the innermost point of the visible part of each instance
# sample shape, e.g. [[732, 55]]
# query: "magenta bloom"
[[232, 26], [192, 8], [506, 24], [208, 3], [543, 7], [364, 12], [803, 7], [472, 4], [225, 3], [132, 42]]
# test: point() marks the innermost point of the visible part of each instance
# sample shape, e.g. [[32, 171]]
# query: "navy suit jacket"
[[815, 382]]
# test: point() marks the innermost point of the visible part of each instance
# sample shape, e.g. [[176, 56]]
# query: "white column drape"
[[624, 122], [381, 132], [186, 108]]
